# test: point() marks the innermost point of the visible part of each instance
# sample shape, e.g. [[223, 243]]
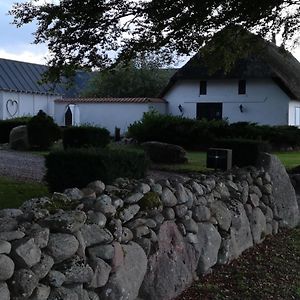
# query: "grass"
[[289, 159], [13, 193], [270, 270]]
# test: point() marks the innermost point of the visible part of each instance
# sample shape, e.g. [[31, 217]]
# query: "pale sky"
[[16, 43]]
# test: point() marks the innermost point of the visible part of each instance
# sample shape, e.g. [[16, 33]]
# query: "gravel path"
[[21, 165]]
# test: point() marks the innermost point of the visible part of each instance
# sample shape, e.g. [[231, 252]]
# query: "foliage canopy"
[[84, 33]]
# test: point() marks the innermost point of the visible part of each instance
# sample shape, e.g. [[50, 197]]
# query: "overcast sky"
[[16, 43]]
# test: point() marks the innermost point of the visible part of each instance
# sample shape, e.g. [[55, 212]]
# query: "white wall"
[[108, 115], [264, 102], [1, 105], [294, 107], [28, 104]]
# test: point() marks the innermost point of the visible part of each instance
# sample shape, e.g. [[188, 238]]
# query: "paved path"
[[22, 165]]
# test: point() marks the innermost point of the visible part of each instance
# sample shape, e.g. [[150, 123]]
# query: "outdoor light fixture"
[[241, 108]]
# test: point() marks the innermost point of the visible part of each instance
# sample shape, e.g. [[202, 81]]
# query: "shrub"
[[85, 136], [244, 152], [7, 125], [42, 131], [78, 167]]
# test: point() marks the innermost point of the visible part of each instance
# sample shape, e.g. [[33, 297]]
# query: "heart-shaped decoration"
[[12, 107]]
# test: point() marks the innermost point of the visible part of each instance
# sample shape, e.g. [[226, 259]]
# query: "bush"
[[7, 125], [42, 131], [78, 167], [85, 136], [244, 152]]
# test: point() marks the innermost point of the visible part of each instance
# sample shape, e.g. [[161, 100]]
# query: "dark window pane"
[[210, 111], [203, 87], [242, 87]]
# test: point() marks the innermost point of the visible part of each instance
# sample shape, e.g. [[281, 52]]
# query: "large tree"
[[84, 33]]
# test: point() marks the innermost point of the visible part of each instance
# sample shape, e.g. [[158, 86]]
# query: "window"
[[242, 87], [203, 87], [209, 111], [297, 116]]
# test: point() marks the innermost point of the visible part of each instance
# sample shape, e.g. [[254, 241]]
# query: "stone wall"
[[146, 239]]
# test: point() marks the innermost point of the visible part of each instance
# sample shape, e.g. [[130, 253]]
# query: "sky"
[[16, 43]]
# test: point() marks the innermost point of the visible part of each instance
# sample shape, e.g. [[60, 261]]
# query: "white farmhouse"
[[264, 89], [20, 91]]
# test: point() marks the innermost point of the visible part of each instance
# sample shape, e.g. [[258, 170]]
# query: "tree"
[[84, 33], [139, 78]]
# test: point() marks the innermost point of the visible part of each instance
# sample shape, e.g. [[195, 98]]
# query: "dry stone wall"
[[146, 239]]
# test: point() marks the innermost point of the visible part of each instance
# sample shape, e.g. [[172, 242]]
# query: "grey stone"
[[18, 138], [34, 203], [269, 229], [62, 246], [7, 267], [275, 226], [222, 214], [232, 187], [267, 189], [101, 273], [208, 246], [201, 213], [65, 222], [76, 271], [117, 203], [143, 188], [26, 253], [93, 296], [80, 291], [10, 212], [169, 213], [11, 235], [127, 235], [182, 228], [156, 188], [41, 292], [105, 252], [254, 200], [43, 267], [126, 281], [168, 198], [118, 259], [258, 225], [4, 291], [171, 268], [88, 193], [140, 231], [269, 214], [209, 183], [56, 278], [190, 225], [74, 193], [223, 190], [40, 235], [5, 247], [248, 209], [253, 189], [145, 243], [8, 224], [180, 210], [223, 255], [200, 201], [96, 217], [134, 198], [63, 293], [128, 213], [197, 188], [115, 227], [104, 205], [98, 186], [23, 283], [181, 194], [93, 234], [284, 197]]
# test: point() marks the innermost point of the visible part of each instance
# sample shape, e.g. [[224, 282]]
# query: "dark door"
[[209, 111], [68, 117]]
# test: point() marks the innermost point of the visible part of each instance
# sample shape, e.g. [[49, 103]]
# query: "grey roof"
[[273, 62], [119, 100], [25, 77]]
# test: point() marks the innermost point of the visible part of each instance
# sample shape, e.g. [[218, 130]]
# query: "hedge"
[[7, 125], [85, 136], [244, 152], [78, 167]]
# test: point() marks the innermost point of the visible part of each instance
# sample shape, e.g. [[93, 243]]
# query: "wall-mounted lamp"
[[180, 108], [242, 108]]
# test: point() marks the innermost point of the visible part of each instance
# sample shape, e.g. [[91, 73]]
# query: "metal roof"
[[24, 77], [111, 100]]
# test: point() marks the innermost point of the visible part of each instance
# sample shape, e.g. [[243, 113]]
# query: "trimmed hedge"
[[85, 136], [244, 152], [78, 167], [201, 134], [7, 125]]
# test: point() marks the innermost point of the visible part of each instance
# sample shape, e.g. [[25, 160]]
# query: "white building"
[[264, 89], [105, 112], [20, 92]]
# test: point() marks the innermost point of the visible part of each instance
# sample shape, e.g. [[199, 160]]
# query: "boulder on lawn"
[[165, 153], [18, 138]]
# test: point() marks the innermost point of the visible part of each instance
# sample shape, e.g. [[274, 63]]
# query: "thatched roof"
[[268, 62]]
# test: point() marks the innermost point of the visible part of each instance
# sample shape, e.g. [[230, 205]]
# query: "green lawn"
[[13, 193], [289, 159]]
